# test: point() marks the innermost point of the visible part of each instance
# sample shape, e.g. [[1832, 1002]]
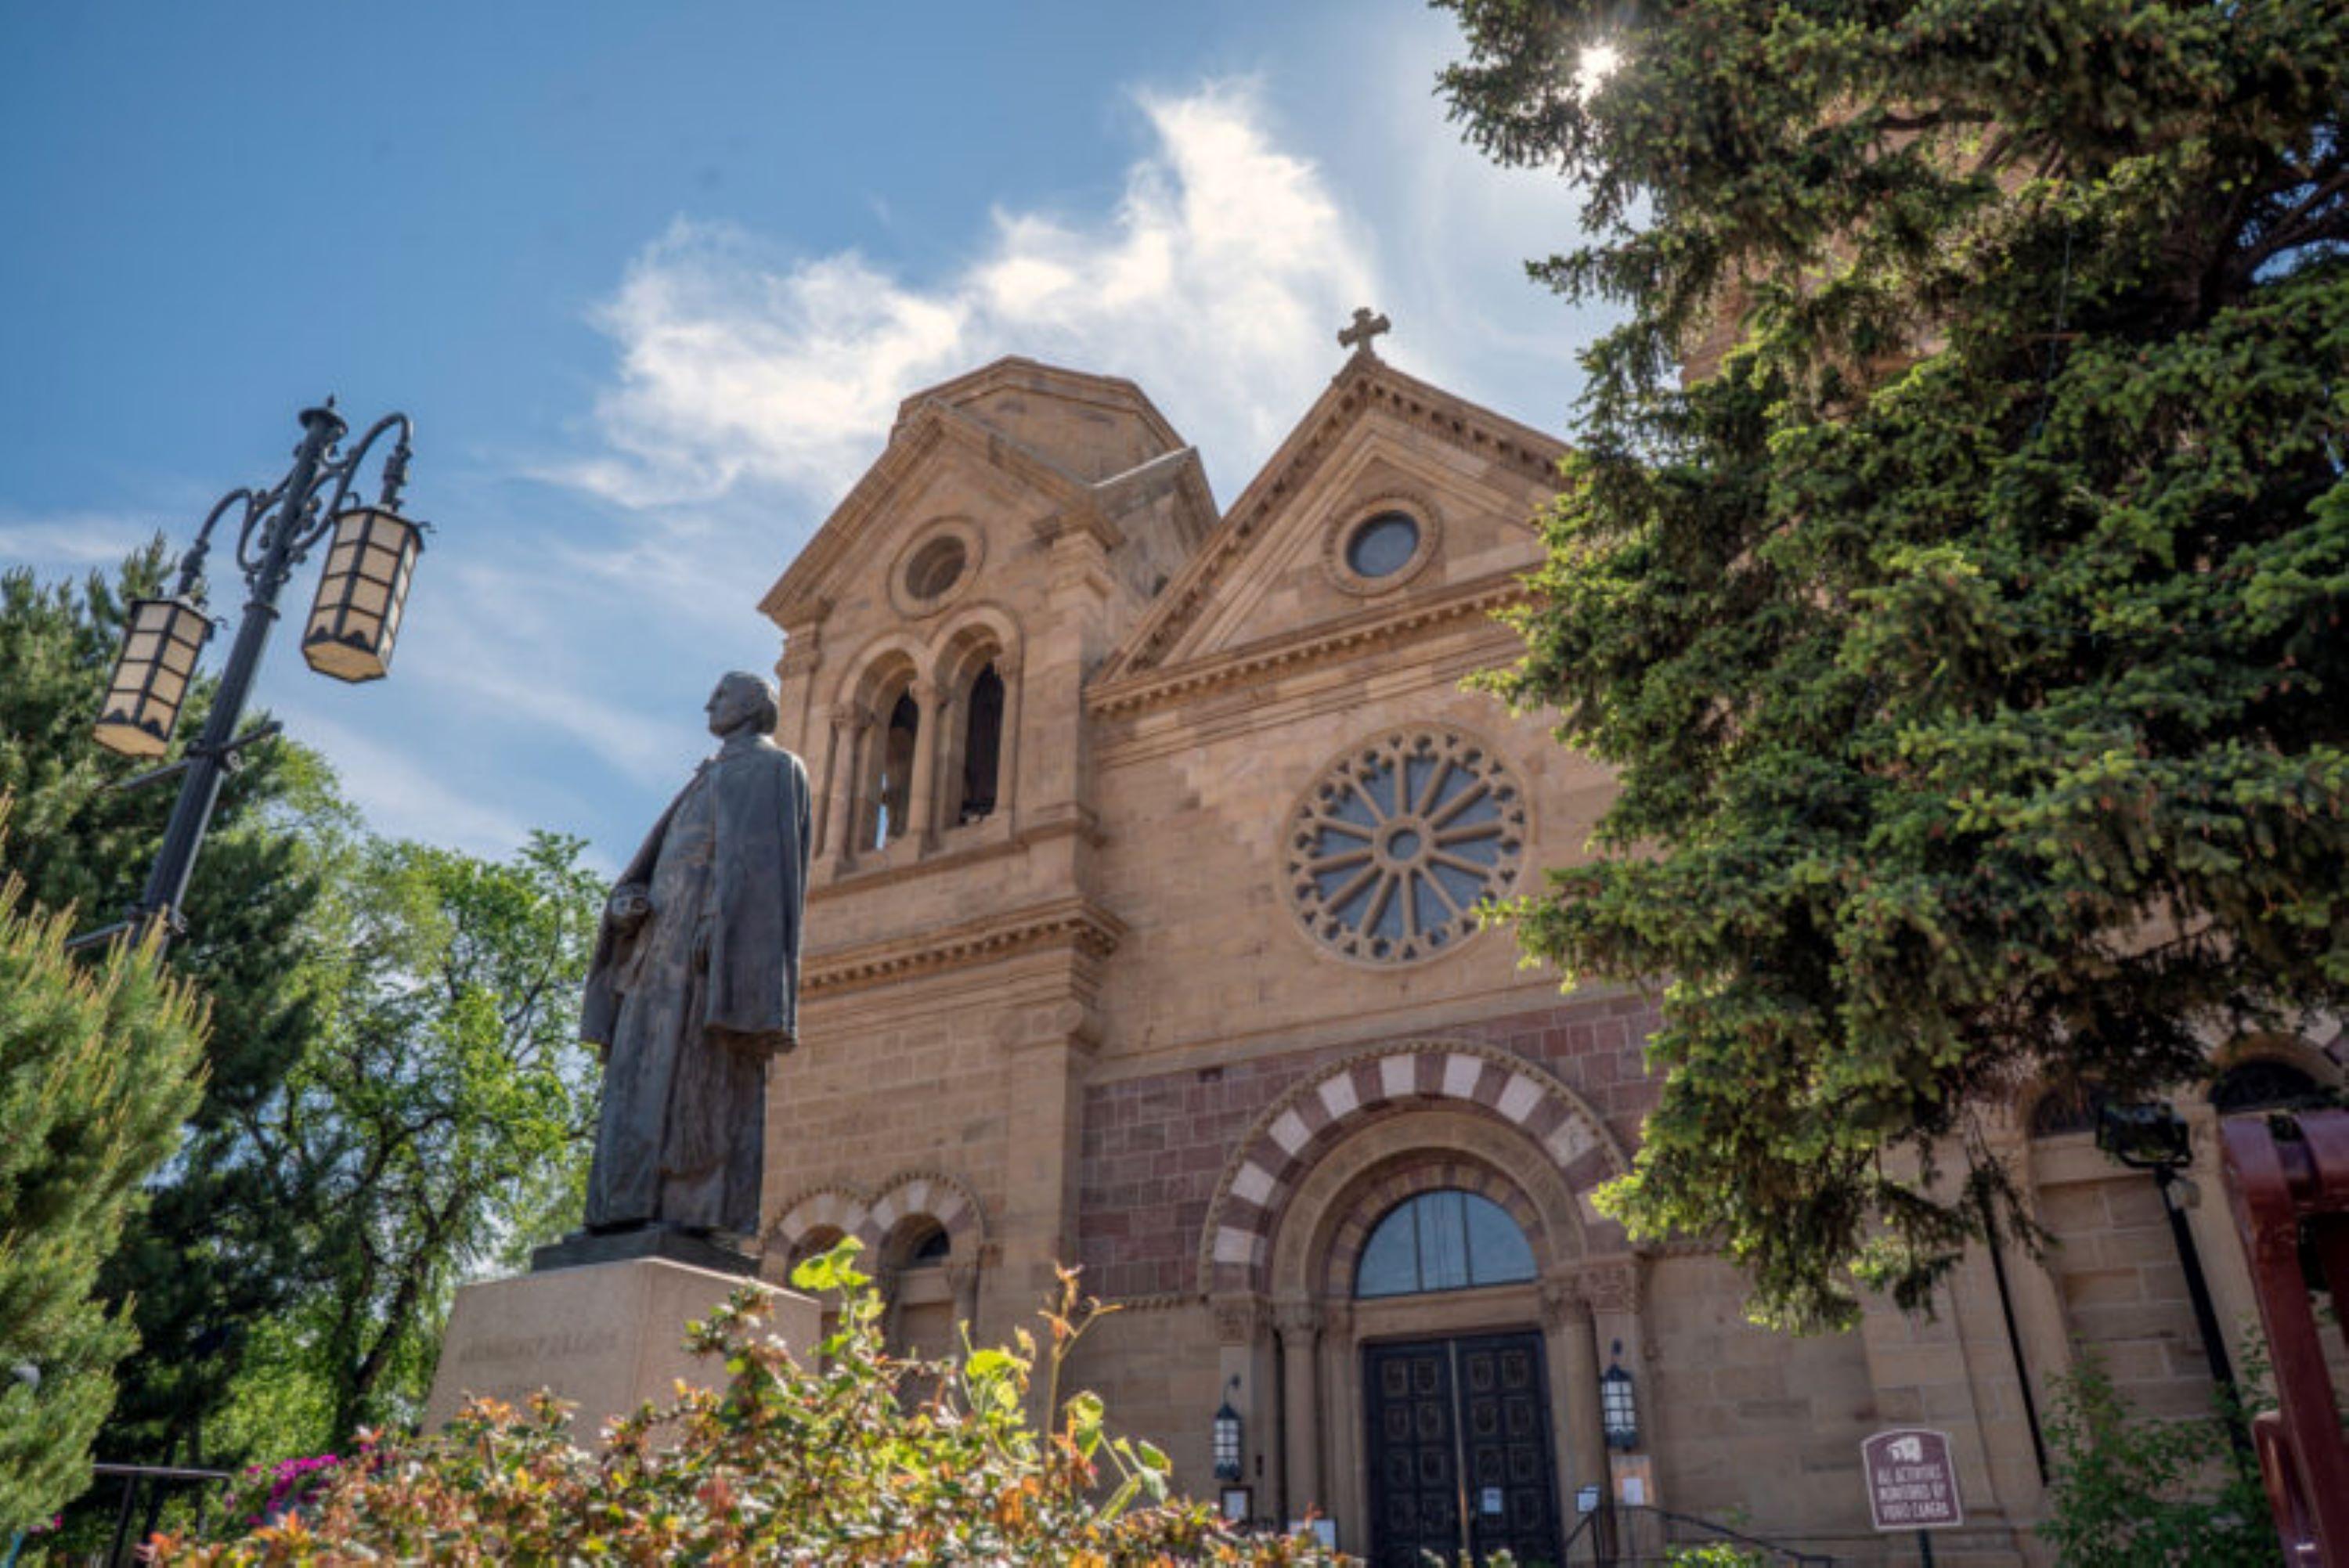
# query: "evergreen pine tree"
[[219, 1246], [98, 1070], [1966, 637]]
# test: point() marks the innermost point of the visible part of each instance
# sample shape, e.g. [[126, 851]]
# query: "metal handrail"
[[122, 1548], [1612, 1511]]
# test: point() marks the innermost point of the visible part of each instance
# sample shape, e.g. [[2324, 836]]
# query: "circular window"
[[1390, 856], [1380, 543], [1382, 546], [935, 567]]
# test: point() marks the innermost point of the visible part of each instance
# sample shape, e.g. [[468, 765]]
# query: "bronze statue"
[[695, 984]]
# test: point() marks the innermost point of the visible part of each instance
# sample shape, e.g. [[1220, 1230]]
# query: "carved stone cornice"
[[1241, 1319], [1073, 922], [1331, 639], [1298, 1320], [1607, 1285]]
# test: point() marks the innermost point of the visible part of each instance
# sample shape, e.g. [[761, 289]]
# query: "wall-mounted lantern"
[[1619, 1410], [2145, 1137], [1227, 1434]]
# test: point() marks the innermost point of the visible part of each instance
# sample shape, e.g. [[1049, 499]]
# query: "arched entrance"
[[1407, 1254]]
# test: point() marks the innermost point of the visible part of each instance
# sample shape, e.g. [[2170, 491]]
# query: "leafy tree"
[[441, 1115], [1967, 637], [216, 1247], [850, 1456], [98, 1068]]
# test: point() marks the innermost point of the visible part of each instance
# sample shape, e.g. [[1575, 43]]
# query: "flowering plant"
[[269, 1492], [855, 1457]]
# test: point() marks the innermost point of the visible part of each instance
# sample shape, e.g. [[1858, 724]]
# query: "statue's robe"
[[689, 1004]]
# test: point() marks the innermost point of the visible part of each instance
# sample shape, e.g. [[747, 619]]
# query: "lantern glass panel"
[[150, 678], [1618, 1411], [355, 618], [1228, 1444]]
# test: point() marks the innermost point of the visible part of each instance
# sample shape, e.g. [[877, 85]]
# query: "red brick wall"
[[1153, 1147]]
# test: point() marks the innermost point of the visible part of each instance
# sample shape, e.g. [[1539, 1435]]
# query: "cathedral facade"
[[1143, 938]]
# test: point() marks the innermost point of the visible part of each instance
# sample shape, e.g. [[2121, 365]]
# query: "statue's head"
[[742, 701]]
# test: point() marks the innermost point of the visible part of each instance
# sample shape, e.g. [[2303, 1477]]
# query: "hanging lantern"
[[355, 618], [1619, 1412], [1228, 1440], [160, 641]]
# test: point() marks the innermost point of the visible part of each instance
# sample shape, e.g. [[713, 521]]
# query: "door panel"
[[1459, 1435], [1505, 1413], [1414, 1453]]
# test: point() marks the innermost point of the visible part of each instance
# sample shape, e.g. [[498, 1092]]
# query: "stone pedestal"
[[605, 1336]]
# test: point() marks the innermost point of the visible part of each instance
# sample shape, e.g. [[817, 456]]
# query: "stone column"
[[824, 778], [849, 725], [1007, 744], [799, 721], [963, 1278], [1243, 1352], [1340, 1426], [1299, 1322], [928, 737], [1570, 1341]]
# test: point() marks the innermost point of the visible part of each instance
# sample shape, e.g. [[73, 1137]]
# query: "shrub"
[[2134, 1493], [831, 1461]]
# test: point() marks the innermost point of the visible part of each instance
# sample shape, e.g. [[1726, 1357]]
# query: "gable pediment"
[[1377, 440], [928, 442]]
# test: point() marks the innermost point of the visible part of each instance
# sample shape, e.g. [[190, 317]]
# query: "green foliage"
[[1717, 1555], [1968, 643], [440, 1115], [852, 1456], [217, 1246], [98, 1068], [2136, 1493]]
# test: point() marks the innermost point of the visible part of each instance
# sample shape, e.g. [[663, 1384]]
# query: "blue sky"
[[651, 278]]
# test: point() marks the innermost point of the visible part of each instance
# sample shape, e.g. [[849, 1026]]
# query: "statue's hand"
[[628, 907]]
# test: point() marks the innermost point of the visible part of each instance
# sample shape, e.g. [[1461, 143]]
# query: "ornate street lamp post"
[[349, 633]]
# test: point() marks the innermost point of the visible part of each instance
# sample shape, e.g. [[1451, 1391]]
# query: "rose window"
[[1389, 855]]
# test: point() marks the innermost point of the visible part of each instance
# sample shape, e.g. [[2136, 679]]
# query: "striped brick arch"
[[912, 1195], [1285, 1142]]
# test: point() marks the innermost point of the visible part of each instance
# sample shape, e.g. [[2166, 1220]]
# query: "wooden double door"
[[1462, 1457]]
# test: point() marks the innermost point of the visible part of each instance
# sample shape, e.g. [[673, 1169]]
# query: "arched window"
[[892, 789], [822, 1239], [982, 744], [1442, 1239], [2265, 1084], [932, 1247], [2069, 1109]]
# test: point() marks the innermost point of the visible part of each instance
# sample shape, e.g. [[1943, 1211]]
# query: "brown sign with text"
[[1911, 1482]]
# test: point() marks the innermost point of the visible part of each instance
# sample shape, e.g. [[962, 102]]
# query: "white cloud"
[[496, 643], [398, 796], [73, 540], [1214, 283]]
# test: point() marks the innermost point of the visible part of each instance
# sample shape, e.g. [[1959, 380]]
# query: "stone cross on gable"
[[1367, 326]]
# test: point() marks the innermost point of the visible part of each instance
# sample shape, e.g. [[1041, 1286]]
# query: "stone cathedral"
[[1150, 834]]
